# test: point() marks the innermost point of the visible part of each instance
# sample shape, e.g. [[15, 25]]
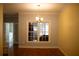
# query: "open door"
[[10, 33], [9, 37]]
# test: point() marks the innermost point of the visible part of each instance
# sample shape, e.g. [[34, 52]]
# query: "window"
[[38, 32]]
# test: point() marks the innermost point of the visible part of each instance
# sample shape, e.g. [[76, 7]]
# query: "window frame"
[[38, 41]]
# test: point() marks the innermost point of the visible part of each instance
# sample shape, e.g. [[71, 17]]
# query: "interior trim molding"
[[36, 47], [65, 54]]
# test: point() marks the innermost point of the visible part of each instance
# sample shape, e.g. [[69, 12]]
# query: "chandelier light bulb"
[[37, 18], [41, 19]]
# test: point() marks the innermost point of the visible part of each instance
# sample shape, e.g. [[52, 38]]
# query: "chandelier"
[[38, 18]]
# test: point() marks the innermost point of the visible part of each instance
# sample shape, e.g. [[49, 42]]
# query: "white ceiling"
[[14, 8]]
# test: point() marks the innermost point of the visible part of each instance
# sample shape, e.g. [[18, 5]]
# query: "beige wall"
[[25, 17], [69, 30], [1, 29]]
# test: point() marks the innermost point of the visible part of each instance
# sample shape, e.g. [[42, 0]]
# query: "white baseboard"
[[36, 47]]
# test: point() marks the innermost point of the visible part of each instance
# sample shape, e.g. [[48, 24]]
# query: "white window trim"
[[38, 37]]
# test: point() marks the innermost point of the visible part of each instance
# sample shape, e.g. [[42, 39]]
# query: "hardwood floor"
[[37, 52]]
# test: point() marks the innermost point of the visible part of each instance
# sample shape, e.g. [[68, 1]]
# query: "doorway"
[[9, 37], [10, 34]]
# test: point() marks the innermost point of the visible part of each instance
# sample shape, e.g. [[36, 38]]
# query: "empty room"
[[39, 29]]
